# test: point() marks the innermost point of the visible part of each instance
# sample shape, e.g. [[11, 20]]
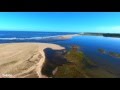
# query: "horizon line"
[[52, 31]]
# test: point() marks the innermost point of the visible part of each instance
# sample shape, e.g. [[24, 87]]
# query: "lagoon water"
[[88, 44]]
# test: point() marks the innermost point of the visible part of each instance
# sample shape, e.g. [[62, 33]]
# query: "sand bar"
[[23, 60], [67, 36]]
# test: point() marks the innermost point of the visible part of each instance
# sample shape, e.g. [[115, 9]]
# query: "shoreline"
[[14, 58], [61, 37]]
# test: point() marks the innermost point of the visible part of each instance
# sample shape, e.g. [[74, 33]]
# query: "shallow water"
[[90, 45]]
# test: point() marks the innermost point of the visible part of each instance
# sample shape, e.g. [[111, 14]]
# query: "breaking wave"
[[31, 38]]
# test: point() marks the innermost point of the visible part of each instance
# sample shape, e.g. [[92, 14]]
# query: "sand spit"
[[67, 36], [23, 60]]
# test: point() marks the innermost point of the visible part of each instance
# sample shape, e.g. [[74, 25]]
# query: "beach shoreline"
[[24, 60]]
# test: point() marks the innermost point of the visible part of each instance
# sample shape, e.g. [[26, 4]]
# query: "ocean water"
[[27, 36], [88, 44]]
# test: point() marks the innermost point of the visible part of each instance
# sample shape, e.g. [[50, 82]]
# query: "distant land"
[[102, 34]]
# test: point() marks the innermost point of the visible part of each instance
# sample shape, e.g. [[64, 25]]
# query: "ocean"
[[29, 36]]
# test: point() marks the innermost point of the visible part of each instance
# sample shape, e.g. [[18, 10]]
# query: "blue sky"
[[61, 21]]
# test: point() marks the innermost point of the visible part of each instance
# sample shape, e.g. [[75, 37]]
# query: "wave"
[[31, 38]]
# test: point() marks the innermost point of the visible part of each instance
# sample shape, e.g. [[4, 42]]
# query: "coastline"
[[24, 60], [56, 37]]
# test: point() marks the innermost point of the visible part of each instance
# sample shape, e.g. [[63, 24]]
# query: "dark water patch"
[[47, 68], [54, 58]]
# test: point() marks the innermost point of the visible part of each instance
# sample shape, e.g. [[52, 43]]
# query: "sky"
[[61, 21]]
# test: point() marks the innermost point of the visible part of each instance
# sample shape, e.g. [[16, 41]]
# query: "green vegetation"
[[117, 55], [102, 34], [93, 34], [102, 51], [80, 66], [73, 68], [113, 54], [111, 35]]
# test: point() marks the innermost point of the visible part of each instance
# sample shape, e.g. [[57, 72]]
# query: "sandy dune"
[[23, 60]]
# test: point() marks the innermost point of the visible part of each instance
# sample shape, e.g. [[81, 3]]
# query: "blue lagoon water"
[[88, 44]]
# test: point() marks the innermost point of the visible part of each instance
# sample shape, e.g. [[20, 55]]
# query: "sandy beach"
[[23, 60]]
